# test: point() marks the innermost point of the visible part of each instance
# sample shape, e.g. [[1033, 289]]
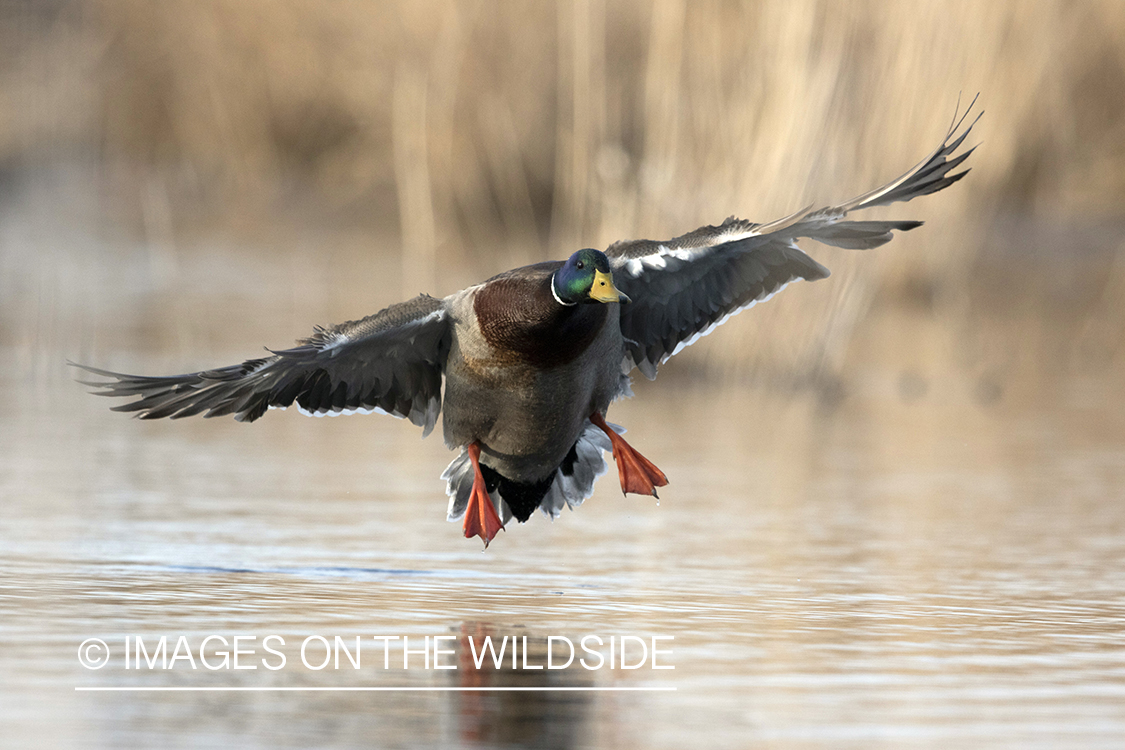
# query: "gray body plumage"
[[522, 376], [527, 418]]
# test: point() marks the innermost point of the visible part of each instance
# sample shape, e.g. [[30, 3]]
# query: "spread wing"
[[390, 362], [683, 288]]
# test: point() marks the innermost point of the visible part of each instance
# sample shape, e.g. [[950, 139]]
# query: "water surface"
[[886, 570]]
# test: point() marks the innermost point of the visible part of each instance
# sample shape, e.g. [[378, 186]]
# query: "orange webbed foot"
[[637, 474], [481, 518]]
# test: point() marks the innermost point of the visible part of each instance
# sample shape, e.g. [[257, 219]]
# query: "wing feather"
[[390, 362], [683, 288]]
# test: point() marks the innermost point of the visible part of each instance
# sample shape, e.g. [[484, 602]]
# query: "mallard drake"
[[532, 358]]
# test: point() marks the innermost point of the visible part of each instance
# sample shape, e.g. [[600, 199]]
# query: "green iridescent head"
[[586, 277]]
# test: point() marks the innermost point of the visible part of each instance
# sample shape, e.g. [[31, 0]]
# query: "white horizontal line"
[[167, 689]]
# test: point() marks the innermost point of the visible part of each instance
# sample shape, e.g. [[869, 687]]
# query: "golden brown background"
[[896, 516], [366, 151]]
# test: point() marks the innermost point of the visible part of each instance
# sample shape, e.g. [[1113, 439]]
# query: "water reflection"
[[523, 718]]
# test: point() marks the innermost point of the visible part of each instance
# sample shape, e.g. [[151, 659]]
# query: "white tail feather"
[[565, 490]]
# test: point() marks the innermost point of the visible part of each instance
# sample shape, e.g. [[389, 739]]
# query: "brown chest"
[[522, 322]]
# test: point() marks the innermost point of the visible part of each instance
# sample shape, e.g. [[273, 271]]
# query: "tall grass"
[[490, 134]]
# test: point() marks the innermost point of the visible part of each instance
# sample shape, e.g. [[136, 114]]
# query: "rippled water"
[[882, 572], [918, 556]]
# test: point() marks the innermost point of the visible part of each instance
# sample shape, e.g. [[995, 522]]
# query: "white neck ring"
[[556, 294]]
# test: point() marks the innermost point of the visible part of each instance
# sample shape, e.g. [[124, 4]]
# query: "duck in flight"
[[532, 358]]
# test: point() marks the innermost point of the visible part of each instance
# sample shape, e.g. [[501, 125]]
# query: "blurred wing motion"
[[683, 288], [390, 362]]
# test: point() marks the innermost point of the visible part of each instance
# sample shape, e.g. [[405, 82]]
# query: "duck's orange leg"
[[637, 474], [480, 515]]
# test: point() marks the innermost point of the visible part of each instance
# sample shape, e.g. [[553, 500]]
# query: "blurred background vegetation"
[[181, 181]]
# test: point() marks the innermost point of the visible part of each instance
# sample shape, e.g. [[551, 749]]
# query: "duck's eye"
[[579, 265]]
